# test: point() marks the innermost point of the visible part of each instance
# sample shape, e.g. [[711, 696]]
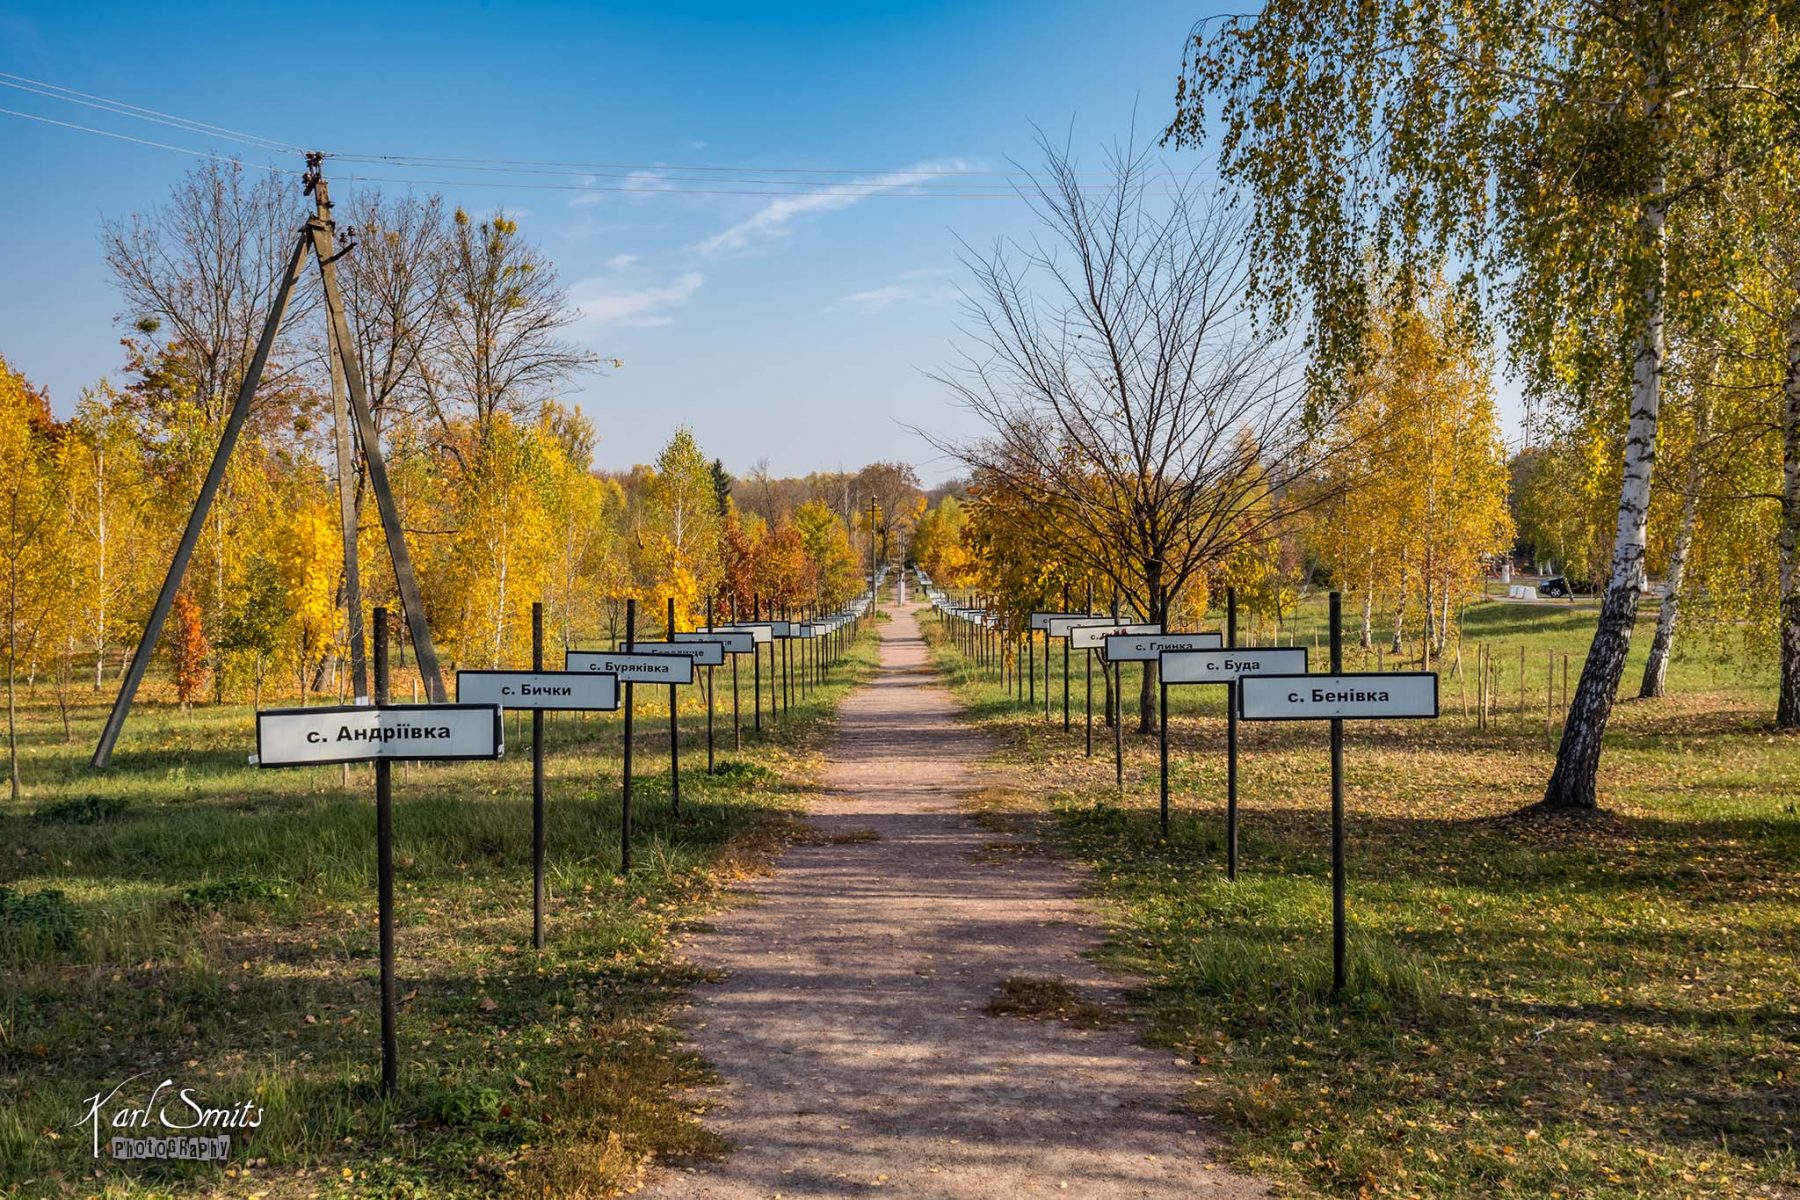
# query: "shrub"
[[238, 889], [35, 924], [82, 810]]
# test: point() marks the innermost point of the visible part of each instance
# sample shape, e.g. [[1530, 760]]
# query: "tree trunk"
[[12, 650], [1156, 603], [1787, 712], [1575, 780], [99, 568], [1368, 615], [1658, 666]]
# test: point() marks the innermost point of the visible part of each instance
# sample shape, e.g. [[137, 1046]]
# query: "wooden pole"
[[190, 536]]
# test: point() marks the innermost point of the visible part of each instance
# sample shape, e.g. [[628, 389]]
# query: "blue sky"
[[794, 329]]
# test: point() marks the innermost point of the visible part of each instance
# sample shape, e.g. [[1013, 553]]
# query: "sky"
[[801, 329]]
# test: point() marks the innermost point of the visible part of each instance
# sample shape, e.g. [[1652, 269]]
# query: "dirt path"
[[849, 1029]]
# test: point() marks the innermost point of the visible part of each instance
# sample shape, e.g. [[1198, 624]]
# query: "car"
[[1555, 587]]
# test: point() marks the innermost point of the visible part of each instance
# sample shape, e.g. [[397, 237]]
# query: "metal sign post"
[[1088, 700], [1065, 690], [756, 656], [296, 737], [1338, 697], [709, 690], [1231, 745], [1220, 666], [539, 690], [656, 663], [674, 727], [625, 772]]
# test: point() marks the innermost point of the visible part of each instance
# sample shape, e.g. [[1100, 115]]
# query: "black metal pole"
[[1337, 811], [537, 786], [1118, 688], [625, 775], [1031, 665], [709, 693], [1065, 604], [1162, 737], [1231, 743], [384, 874], [756, 655], [1090, 679], [674, 728]]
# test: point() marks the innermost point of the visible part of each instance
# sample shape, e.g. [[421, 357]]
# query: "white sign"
[[572, 690], [1092, 637], [1041, 620], [732, 641], [1376, 695], [1146, 647], [633, 668], [762, 634], [1227, 666], [704, 654], [1059, 626], [293, 737]]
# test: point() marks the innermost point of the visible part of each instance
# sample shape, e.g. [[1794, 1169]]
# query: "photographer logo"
[[172, 1123]]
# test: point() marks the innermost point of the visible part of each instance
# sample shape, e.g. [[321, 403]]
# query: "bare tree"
[[1127, 394], [393, 288], [198, 274], [499, 347]]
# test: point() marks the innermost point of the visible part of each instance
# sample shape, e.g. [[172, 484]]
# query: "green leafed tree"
[[1556, 152]]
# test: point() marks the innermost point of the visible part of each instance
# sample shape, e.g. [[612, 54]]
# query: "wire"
[[904, 183], [56, 91], [588, 168], [851, 190], [925, 178], [125, 137]]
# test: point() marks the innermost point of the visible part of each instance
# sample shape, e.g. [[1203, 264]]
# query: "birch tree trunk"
[[1575, 780], [1787, 712], [12, 646], [100, 576], [1658, 666]]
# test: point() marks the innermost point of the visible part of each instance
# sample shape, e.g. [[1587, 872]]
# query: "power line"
[[847, 190], [125, 137], [594, 168], [719, 180], [56, 91]]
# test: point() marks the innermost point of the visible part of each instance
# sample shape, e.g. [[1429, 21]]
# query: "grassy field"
[[186, 916], [1603, 1007]]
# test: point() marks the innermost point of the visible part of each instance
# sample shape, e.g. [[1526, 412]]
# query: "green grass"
[[1538, 1006], [216, 925]]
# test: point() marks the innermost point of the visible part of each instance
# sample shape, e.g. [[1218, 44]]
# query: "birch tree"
[[29, 532], [1555, 147]]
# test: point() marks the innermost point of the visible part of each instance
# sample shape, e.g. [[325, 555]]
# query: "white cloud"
[[619, 262], [601, 189], [923, 286], [772, 219], [604, 306]]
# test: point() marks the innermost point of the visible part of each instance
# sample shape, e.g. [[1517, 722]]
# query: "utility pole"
[[315, 237], [346, 460]]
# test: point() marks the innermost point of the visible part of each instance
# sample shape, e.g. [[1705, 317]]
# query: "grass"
[[189, 917], [1538, 1006], [1038, 999]]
